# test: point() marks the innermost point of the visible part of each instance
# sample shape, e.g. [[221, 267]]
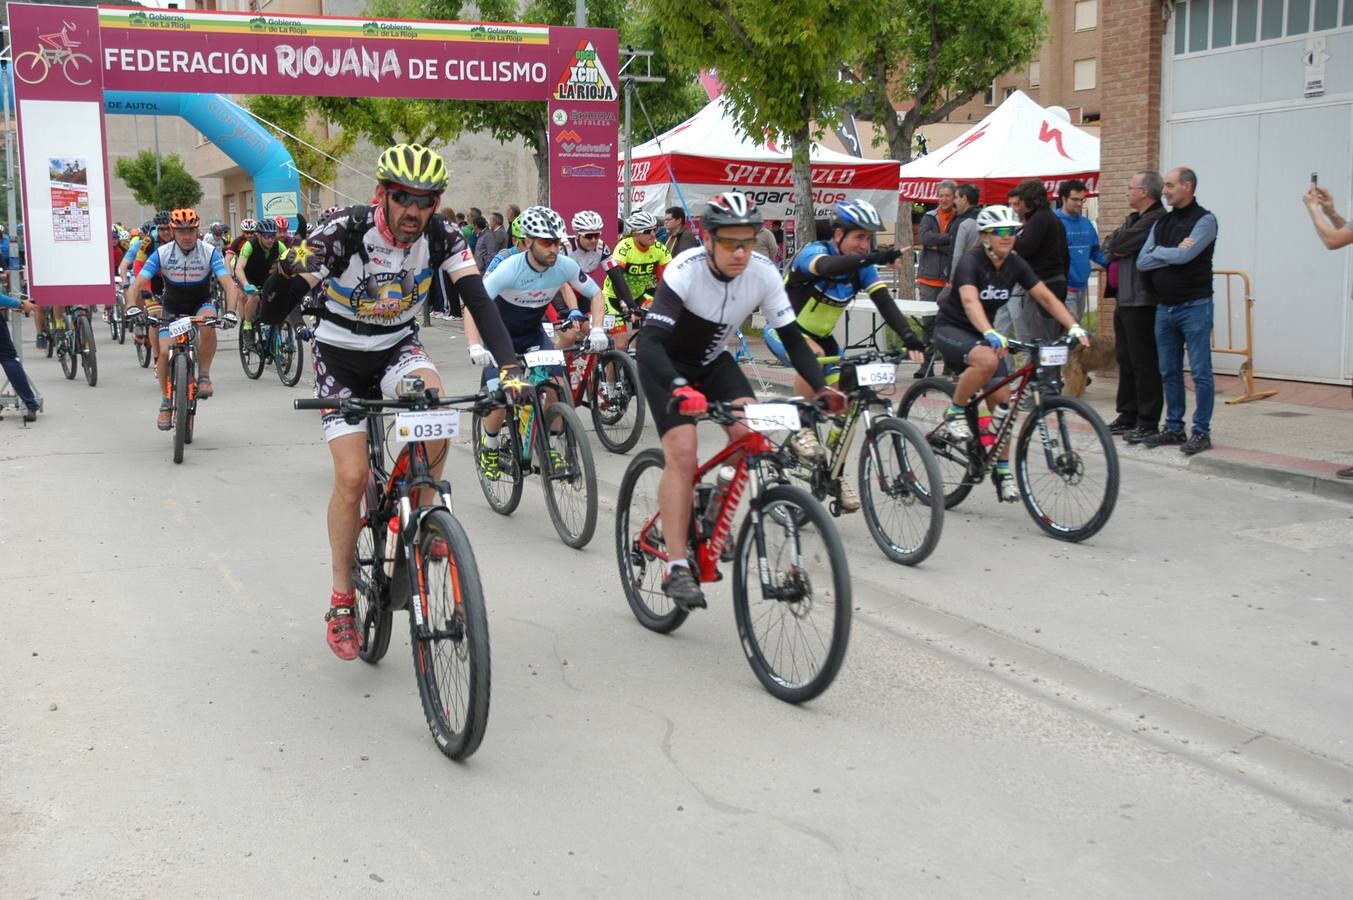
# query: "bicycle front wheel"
[[143, 345], [287, 354], [795, 629], [568, 475], [617, 405], [67, 354], [451, 651], [251, 351], [924, 405], [180, 375], [641, 572], [89, 358], [1068, 478], [898, 478]]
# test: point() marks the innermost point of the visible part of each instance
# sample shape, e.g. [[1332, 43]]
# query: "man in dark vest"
[[1176, 262]]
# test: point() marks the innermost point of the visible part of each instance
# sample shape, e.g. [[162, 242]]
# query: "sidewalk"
[[1296, 440]]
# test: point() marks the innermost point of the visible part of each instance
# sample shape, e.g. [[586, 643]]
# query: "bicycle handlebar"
[[1032, 346], [359, 404]]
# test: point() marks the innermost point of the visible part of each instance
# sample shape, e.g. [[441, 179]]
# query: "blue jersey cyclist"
[[187, 265], [522, 287]]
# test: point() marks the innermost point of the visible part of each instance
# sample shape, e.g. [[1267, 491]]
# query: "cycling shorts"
[[721, 380], [954, 344], [366, 374]]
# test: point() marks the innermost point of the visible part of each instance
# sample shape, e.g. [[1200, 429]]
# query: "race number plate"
[[426, 425], [180, 326], [876, 373], [771, 416], [545, 358], [1052, 356], [608, 322]]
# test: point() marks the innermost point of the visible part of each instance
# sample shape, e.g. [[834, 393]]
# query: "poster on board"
[[68, 178]]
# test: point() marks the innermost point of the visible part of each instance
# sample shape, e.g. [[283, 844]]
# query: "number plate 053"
[[426, 425]]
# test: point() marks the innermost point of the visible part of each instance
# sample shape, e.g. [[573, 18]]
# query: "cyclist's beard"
[[545, 258]]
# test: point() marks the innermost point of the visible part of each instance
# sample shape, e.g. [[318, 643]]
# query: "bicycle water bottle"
[[722, 479], [833, 436], [391, 538], [986, 431]]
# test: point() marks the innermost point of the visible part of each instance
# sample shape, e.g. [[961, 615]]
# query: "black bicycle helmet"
[[728, 209]]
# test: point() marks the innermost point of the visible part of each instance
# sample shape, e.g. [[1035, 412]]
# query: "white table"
[[921, 309]]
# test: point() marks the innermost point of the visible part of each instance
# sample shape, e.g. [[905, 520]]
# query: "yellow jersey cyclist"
[[377, 266], [823, 280], [642, 257], [984, 279], [684, 360], [187, 265], [256, 260]]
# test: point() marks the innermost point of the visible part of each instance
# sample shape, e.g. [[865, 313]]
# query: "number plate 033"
[[426, 425]]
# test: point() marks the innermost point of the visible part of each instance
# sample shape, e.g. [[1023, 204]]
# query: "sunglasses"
[[733, 245], [647, 231], [591, 235], [404, 198], [547, 242], [1004, 231]]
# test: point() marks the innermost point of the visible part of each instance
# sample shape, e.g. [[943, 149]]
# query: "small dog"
[[1098, 357]]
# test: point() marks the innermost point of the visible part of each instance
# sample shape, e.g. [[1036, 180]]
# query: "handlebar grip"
[[313, 403]]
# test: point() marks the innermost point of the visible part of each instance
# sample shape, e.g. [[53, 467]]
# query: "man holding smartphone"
[[1333, 231]]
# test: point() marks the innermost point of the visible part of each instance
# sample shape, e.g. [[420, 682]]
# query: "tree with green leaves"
[[173, 189], [315, 157], [778, 63]]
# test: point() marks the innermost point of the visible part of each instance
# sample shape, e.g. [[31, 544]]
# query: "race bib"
[[876, 374], [771, 417], [180, 326], [1052, 356], [426, 425], [545, 358]]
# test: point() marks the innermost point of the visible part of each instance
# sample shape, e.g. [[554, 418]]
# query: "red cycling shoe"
[[341, 628]]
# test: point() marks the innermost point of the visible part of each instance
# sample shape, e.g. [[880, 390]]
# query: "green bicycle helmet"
[[413, 166]]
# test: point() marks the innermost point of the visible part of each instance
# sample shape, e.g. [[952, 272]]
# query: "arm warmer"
[[616, 275], [492, 331], [883, 302], [830, 266]]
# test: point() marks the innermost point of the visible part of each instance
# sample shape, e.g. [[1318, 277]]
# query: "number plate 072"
[[426, 425], [545, 358], [876, 373]]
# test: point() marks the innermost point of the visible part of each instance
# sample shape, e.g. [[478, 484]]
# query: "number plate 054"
[[876, 373], [426, 425]]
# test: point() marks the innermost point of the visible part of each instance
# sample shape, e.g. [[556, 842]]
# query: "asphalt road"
[[1161, 711]]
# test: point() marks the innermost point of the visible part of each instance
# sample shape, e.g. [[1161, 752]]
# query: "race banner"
[[584, 121], [59, 101]]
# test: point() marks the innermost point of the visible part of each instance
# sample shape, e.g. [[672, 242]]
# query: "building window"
[[1271, 21], [1298, 16], [1087, 14], [1083, 75], [1033, 74], [1221, 23], [1198, 17], [1247, 21], [1008, 93], [989, 98], [1326, 14]]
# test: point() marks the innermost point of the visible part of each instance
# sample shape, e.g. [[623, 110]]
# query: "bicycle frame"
[[1031, 373]]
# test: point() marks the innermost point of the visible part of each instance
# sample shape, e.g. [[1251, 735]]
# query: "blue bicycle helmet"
[[857, 214], [267, 228]]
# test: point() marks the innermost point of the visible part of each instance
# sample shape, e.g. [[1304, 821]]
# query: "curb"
[[1303, 482]]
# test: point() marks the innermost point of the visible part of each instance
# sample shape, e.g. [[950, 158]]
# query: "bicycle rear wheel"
[[143, 345], [118, 325], [89, 358], [179, 374], [288, 354], [502, 486], [370, 589], [923, 405], [1068, 478], [795, 633], [67, 353], [571, 484], [641, 573], [451, 656], [617, 405], [898, 477], [251, 351]]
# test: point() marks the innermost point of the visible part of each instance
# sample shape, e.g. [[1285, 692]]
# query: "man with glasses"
[[642, 258], [377, 265], [1082, 244], [256, 260], [685, 362], [679, 237], [522, 288]]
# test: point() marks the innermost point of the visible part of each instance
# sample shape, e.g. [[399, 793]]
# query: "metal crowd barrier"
[[1246, 350]]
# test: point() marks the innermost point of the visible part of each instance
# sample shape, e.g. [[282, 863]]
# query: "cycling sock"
[[339, 598], [489, 440], [677, 562], [954, 410], [248, 325], [1003, 468]]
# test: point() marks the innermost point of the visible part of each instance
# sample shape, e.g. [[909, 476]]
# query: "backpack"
[[357, 227]]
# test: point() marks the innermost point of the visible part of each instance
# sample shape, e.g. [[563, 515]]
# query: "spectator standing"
[[472, 229], [491, 240], [778, 231], [1042, 244], [513, 213], [10, 362], [937, 244], [679, 237], [1134, 318], [765, 244], [1082, 244], [1177, 262], [1334, 232], [964, 227], [4, 254]]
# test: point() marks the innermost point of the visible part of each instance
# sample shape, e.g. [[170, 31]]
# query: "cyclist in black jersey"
[[705, 294], [984, 279], [255, 260]]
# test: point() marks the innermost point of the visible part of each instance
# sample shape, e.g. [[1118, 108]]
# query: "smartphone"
[[1314, 177]]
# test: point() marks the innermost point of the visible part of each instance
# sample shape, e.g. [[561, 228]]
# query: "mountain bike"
[[1070, 488], [607, 382], [117, 317], [788, 553], [898, 473], [182, 350], [544, 439], [74, 339], [412, 553], [276, 344]]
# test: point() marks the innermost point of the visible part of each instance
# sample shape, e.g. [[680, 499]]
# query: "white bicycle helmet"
[[640, 221], [997, 216], [587, 221], [728, 209], [248, 225], [542, 222]]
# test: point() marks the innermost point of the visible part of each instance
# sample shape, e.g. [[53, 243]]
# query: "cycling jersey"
[[187, 275], [700, 310], [259, 260], [820, 300], [522, 294], [373, 306], [499, 257], [589, 260], [643, 269], [994, 286]]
